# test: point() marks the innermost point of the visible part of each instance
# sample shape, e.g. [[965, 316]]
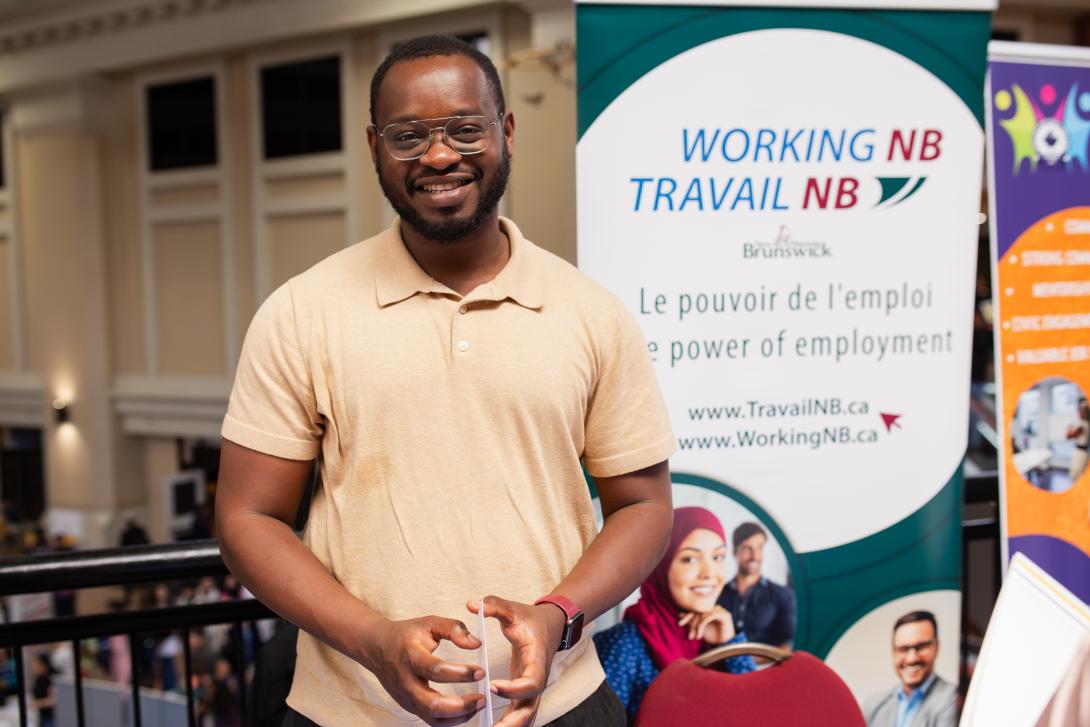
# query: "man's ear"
[[372, 143], [509, 132]]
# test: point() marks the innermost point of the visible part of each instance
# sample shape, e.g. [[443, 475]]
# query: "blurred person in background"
[[43, 697], [221, 697], [120, 654], [134, 534]]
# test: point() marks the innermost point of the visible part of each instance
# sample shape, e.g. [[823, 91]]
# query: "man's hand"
[[714, 627], [534, 633], [400, 654]]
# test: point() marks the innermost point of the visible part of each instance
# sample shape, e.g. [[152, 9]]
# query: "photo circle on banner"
[[1050, 433], [731, 511], [864, 656]]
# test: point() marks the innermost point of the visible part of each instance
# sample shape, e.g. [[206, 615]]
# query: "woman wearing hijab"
[[676, 616]]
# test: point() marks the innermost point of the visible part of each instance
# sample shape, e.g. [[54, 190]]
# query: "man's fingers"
[[521, 688], [494, 607], [519, 715], [453, 631], [433, 669], [431, 706]]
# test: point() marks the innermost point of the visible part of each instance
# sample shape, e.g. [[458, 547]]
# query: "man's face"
[[915, 647], [443, 195], [749, 554]]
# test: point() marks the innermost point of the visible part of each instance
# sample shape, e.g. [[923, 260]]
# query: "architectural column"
[[59, 177]]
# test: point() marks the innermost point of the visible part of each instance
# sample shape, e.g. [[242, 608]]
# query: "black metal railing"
[[117, 567]]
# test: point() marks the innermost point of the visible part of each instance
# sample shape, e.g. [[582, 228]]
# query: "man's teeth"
[[445, 187]]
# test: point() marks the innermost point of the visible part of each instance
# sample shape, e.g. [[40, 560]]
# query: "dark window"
[[182, 124], [301, 107], [22, 475]]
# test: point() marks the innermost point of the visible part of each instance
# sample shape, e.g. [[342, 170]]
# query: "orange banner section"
[[1043, 288]]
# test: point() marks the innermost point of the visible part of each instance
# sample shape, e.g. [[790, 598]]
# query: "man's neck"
[[744, 582], [464, 264]]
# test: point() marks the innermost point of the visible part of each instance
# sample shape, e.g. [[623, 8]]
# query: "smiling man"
[[453, 380], [923, 698]]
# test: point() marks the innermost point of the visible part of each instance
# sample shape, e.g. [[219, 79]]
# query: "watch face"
[[572, 631]]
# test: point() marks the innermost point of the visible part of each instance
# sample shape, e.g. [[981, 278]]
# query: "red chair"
[[796, 690]]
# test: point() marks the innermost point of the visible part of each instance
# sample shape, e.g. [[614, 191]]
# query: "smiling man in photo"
[[923, 698]]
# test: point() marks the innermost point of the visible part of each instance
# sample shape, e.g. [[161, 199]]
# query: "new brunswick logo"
[[784, 247], [1060, 135]]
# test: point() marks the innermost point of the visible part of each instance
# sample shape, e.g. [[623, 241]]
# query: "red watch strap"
[[566, 604]]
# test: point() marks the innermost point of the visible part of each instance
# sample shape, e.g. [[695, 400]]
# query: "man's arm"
[[638, 513], [256, 500], [783, 628]]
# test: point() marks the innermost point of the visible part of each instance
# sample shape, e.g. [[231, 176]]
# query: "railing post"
[[20, 685], [79, 683], [137, 657]]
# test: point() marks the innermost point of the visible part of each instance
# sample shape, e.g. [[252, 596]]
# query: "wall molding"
[[166, 406], [22, 400], [105, 19], [113, 35]]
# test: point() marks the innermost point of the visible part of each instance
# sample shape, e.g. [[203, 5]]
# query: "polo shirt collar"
[[398, 277]]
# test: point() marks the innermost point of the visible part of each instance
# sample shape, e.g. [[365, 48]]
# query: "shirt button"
[[462, 309], [463, 346]]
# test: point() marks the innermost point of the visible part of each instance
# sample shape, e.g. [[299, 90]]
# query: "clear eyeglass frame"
[[461, 148]]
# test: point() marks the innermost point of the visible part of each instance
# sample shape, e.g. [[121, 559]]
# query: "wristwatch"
[[573, 626]]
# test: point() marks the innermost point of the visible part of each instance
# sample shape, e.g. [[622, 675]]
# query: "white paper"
[[1034, 631], [486, 713]]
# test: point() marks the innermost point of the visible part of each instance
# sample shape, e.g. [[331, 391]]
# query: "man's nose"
[[439, 155]]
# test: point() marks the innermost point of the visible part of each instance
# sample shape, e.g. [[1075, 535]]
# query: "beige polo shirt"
[[451, 431]]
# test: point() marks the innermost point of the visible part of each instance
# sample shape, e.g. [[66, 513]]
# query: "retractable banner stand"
[[1039, 169], [787, 197]]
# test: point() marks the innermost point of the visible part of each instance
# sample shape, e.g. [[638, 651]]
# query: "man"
[[455, 379], [923, 698], [764, 610]]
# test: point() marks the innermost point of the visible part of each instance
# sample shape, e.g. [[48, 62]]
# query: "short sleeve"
[[627, 426], [272, 407]]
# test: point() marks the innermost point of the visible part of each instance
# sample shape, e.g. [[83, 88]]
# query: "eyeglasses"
[[408, 140], [922, 646]]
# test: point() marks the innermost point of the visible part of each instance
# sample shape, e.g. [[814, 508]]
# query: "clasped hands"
[[401, 655]]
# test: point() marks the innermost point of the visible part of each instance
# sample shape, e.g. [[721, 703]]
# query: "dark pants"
[[601, 709]]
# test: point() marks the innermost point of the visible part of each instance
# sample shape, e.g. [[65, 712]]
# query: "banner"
[[1039, 169], [788, 200]]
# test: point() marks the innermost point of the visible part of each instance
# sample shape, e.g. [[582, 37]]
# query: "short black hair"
[[915, 616], [429, 46], [744, 532]]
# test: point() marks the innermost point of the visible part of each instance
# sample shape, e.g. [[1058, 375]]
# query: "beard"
[[448, 231]]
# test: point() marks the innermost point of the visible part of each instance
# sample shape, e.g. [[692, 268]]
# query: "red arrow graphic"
[[890, 420]]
